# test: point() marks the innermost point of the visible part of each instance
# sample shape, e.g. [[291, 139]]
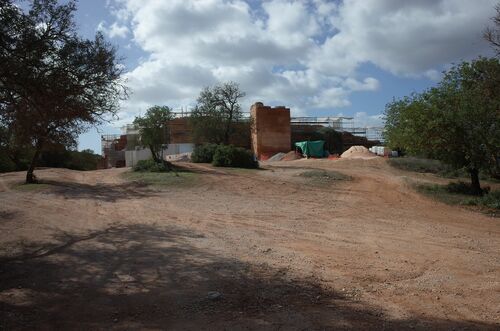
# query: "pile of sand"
[[290, 156], [357, 152], [277, 157]]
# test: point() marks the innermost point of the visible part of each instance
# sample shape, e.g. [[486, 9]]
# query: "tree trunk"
[[474, 177], [30, 176], [154, 154]]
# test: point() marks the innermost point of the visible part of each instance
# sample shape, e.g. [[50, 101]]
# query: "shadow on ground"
[[142, 276], [100, 192]]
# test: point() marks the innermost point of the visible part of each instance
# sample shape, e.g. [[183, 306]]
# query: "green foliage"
[[230, 156], [217, 114], [460, 194], [462, 188], [418, 164], [55, 156], [150, 165], [153, 129], [55, 84], [163, 179], [6, 164], [333, 140], [203, 153], [83, 160], [423, 165], [490, 200], [15, 153], [457, 122]]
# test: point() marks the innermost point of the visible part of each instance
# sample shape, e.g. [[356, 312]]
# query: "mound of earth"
[[277, 157], [290, 156], [357, 152]]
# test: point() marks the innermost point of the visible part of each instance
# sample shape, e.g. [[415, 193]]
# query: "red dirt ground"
[[92, 250]]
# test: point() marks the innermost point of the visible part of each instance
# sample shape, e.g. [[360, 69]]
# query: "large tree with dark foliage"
[[457, 122], [217, 111], [53, 84]]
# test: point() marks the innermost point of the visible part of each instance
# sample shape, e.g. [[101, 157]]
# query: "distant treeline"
[[57, 156]]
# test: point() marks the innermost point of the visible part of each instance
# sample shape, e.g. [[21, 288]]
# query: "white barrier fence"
[[132, 157]]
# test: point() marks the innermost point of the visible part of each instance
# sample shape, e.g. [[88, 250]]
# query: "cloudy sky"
[[317, 57]]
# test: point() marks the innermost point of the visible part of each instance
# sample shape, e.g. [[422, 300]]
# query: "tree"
[[153, 129], [214, 118], [457, 122], [492, 34], [53, 84], [15, 152]]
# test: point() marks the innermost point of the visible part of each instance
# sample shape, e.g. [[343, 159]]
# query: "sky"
[[317, 57]]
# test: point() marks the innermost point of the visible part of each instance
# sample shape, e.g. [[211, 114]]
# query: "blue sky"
[[317, 57]]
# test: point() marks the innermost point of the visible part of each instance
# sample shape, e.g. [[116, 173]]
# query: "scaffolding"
[[342, 124], [113, 149]]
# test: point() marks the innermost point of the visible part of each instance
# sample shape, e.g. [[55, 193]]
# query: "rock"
[[214, 295]]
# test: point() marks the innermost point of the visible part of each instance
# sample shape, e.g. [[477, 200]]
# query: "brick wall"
[[270, 130]]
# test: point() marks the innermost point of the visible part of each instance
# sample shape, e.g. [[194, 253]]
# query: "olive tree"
[[54, 84], [457, 122], [153, 129]]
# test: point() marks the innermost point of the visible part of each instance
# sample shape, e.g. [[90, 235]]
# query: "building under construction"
[[273, 130]]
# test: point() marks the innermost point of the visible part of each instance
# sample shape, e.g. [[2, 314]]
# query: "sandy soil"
[[90, 250]]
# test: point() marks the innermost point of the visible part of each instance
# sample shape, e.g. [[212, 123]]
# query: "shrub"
[[203, 153], [230, 156], [150, 165]]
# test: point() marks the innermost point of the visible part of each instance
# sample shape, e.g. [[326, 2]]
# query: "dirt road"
[[240, 249]]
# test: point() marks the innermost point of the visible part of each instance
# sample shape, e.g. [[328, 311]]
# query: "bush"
[[203, 153], [230, 156], [150, 165]]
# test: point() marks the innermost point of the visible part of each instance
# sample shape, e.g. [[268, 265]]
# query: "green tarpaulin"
[[312, 148]]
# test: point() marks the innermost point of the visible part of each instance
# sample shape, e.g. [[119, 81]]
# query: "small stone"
[[214, 295]]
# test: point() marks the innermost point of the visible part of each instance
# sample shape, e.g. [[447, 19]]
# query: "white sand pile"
[[276, 157], [357, 152]]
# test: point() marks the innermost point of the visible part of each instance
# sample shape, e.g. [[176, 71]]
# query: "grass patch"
[[490, 200], [31, 187], [449, 195], [324, 176], [422, 165], [162, 179], [418, 165]]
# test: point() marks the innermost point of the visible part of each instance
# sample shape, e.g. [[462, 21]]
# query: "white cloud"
[[302, 54], [404, 37], [113, 31]]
